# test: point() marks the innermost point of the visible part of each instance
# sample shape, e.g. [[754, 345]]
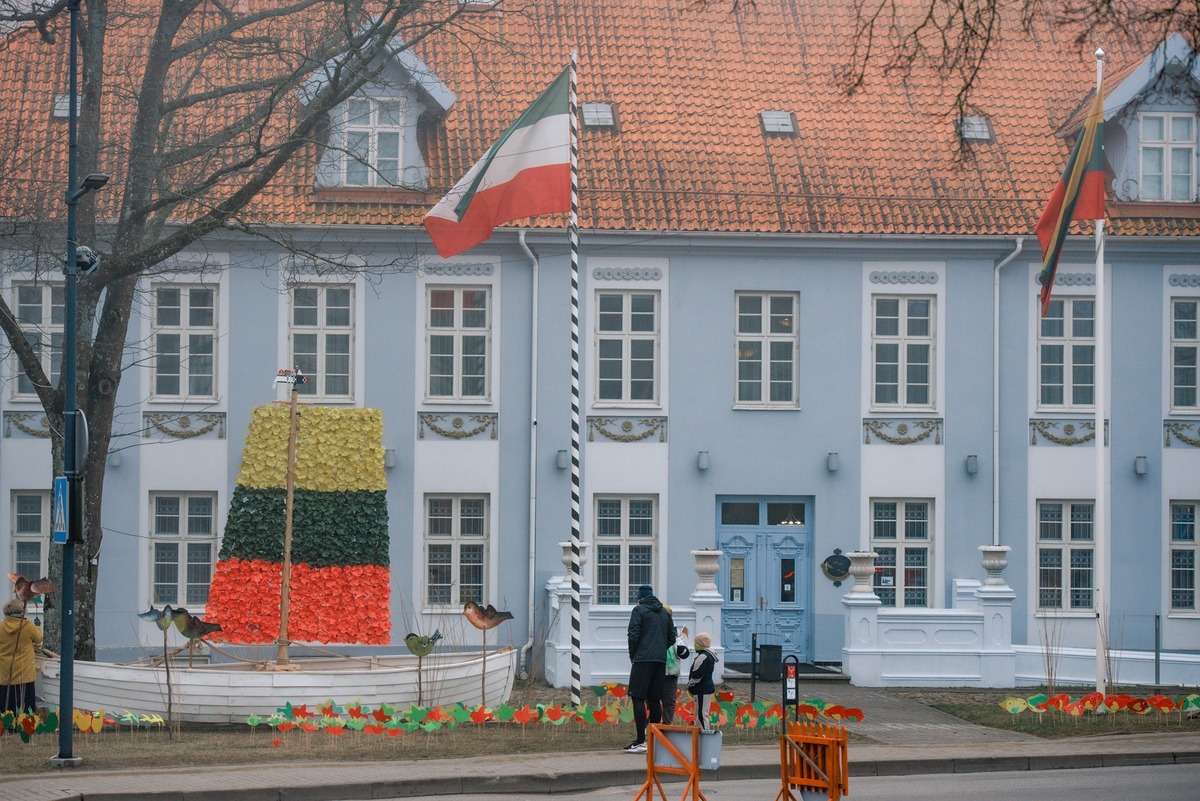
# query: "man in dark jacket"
[[651, 632]]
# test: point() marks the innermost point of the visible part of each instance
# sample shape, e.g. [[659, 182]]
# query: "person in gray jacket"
[[651, 631]]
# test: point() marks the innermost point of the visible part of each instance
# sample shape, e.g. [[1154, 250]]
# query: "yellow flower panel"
[[337, 449]]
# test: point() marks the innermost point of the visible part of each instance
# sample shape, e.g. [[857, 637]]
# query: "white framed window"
[[902, 344], [185, 338], [1067, 355], [456, 549], [902, 535], [1185, 347], [767, 349], [373, 131], [1183, 549], [1066, 554], [458, 328], [30, 533], [626, 539], [183, 536], [41, 313], [322, 339], [1167, 144], [627, 334]]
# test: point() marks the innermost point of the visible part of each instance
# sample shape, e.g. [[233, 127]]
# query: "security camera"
[[86, 259]]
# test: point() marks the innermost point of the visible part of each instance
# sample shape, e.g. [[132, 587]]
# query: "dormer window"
[[1168, 156], [374, 132]]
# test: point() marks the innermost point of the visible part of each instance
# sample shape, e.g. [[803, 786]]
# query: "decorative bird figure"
[[421, 645], [160, 617], [485, 618], [27, 590], [191, 626]]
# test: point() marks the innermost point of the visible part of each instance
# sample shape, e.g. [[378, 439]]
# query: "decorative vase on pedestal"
[[566, 556], [995, 559], [707, 562], [862, 567]]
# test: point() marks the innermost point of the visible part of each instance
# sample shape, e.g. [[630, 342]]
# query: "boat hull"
[[230, 692]]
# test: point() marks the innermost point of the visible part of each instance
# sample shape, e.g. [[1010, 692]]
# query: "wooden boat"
[[230, 692]]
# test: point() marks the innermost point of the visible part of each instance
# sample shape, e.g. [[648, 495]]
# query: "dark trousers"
[[670, 692], [702, 702], [18, 698]]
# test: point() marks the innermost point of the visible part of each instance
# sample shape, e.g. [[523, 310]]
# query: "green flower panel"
[[328, 528]]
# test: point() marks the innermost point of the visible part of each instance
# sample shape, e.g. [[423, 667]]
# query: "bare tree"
[[215, 99], [955, 38]]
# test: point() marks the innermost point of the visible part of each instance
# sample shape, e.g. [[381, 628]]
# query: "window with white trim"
[[322, 339], [1067, 355], [627, 332], [41, 313], [1066, 554], [373, 131], [902, 344], [767, 349], [902, 536], [183, 537], [1167, 146], [1185, 346], [458, 338], [626, 536], [456, 549], [30, 533], [1184, 549], [185, 338]]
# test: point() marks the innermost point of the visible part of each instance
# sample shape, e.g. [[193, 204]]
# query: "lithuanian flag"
[[526, 173], [340, 581], [1078, 195]]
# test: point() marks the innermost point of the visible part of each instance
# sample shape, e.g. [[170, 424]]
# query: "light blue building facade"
[[783, 398]]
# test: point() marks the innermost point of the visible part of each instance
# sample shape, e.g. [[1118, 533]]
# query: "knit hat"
[[645, 591], [703, 640]]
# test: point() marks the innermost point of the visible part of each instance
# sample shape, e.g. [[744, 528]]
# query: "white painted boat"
[[229, 692]]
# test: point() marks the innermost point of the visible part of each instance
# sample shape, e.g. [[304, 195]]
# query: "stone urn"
[[995, 559], [862, 567], [706, 564], [566, 555]]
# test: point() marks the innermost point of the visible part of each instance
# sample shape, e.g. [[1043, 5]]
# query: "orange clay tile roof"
[[688, 80]]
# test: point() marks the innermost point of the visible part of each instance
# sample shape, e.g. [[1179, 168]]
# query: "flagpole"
[[573, 234], [1101, 439]]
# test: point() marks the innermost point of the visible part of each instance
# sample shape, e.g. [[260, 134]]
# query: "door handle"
[[762, 603]]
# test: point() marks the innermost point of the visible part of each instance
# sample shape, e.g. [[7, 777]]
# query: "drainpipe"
[[523, 670], [996, 387]]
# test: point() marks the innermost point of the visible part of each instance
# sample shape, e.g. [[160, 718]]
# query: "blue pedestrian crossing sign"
[[61, 511]]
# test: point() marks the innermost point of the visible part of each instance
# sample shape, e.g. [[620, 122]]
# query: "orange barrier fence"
[[814, 756], [663, 756]]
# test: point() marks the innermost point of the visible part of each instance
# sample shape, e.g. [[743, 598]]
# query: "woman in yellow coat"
[[18, 637]]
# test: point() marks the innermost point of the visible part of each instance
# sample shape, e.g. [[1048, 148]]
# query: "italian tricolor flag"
[[527, 173]]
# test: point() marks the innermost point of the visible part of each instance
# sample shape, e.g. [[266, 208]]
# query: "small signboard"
[[61, 510]]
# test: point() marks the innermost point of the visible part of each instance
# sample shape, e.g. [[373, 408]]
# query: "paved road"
[[1150, 782]]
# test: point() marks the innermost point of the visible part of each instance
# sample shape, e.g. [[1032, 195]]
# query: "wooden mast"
[[285, 585]]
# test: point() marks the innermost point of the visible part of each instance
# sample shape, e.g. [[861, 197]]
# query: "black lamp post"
[[71, 467]]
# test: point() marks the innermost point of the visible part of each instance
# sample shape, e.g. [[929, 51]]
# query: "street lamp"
[[74, 479]]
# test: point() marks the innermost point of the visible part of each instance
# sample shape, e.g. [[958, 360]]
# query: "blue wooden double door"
[[765, 575]]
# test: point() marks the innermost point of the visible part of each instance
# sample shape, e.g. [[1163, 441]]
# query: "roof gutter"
[[1020, 245]]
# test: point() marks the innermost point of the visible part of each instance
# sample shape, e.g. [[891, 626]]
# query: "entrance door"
[[765, 577]]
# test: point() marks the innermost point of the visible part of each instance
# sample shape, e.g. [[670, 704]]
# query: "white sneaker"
[[635, 748]]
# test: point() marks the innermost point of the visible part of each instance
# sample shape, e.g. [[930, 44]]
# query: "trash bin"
[[770, 661]]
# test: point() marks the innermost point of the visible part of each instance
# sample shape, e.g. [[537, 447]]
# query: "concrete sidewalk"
[[909, 739]]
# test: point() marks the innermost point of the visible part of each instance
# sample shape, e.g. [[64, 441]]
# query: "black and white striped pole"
[[573, 232]]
